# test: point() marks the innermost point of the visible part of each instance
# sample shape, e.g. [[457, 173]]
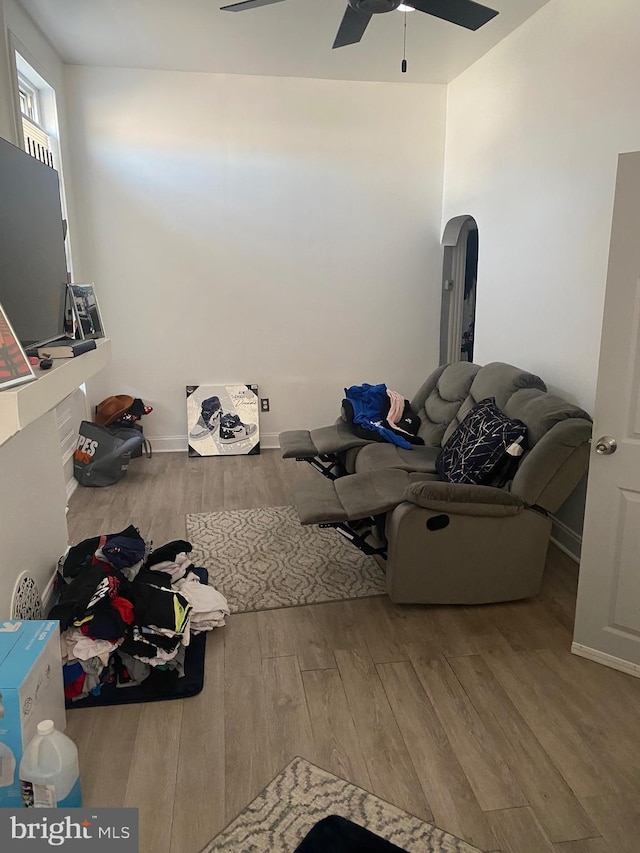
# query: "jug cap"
[[46, 727]]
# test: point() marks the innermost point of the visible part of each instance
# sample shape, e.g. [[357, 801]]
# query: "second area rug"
[[302, 794], [264, 558]]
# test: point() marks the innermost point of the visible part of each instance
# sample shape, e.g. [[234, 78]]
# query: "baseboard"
[[70, 486], [168, 443], [270, 440], [566, 539], [178, 443], [605, 659], [48, 595]]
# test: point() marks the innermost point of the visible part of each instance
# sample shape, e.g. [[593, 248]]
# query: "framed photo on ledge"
[[14, 365], [86, 311]]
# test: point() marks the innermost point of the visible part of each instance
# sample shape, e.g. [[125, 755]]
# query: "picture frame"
[[86, 311], [223, 420], [15, 367]]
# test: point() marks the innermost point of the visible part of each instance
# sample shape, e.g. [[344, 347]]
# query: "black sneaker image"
[[207, 423], [232, 429]]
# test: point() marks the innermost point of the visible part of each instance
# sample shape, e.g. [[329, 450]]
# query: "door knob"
[[606, 445]]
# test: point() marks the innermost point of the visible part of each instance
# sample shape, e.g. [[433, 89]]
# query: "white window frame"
[[33, 96]]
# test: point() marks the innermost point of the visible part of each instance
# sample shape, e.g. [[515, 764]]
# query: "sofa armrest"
[[463, 499]]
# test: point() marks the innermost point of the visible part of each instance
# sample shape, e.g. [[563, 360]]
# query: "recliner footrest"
[[297, 444], [305, 444], [350, 498]]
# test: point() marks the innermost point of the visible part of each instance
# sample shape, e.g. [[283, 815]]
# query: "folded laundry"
[[209, 606], [176, 569]]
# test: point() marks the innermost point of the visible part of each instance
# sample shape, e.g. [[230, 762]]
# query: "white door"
[[608, 610]]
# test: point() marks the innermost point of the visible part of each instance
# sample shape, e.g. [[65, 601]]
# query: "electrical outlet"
[[264, 404]]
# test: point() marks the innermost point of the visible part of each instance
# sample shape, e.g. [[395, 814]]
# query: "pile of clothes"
[[377, 413], [128, 612]]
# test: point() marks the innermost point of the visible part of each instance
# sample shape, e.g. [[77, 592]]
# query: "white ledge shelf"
[[24, 404]]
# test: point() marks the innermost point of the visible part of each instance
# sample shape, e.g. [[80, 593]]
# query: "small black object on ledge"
[[66, 348]]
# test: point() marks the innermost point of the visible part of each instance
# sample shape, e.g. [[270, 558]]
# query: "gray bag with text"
[[103, 453]]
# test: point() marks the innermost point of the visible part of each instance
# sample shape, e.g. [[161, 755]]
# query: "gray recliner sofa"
[[443, 542]]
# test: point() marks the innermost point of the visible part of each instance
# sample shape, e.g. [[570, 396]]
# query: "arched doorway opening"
[[459, 286]]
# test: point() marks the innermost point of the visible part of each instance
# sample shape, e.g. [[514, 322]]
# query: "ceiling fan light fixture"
[[463, 13]]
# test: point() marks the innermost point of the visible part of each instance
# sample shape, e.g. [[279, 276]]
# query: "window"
[[36, 139], [37, 118], [28, 99]]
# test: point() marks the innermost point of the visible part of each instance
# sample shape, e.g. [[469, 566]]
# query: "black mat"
[[335, 834], [160, 685]]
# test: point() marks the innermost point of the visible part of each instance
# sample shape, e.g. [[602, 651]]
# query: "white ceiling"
[[291, 38]]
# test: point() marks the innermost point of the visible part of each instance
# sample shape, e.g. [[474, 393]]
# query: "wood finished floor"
[[478, 719]]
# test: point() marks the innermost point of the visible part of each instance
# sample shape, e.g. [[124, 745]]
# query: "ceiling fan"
[[464, 13]]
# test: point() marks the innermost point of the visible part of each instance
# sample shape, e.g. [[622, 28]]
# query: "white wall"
[[533, 133], [33, 528], [20, 24], [249, 229]]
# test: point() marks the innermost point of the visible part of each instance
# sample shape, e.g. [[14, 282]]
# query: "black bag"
[[103, 453]]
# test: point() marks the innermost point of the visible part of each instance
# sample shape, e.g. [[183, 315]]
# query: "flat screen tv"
[[33, 266]]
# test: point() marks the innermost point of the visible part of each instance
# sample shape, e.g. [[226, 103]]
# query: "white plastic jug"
[[49, 774], [7, 766]]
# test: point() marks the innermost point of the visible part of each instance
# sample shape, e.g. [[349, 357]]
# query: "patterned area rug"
[[264, 558], [279, 818]]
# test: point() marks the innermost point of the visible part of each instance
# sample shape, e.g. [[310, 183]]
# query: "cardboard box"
[[31, 690]]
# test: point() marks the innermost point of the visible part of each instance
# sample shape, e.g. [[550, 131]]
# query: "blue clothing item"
[[369, 403], [71, 672]]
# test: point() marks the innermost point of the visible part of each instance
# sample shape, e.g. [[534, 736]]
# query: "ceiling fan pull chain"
[[404, 56]]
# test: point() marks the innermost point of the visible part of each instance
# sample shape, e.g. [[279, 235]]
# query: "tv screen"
[[33, 266]]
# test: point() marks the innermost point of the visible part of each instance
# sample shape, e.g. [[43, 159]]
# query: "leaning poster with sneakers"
[[222, 420]]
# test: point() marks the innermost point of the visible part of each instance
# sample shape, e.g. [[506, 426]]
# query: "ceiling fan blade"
[[248, 4], [464, 13], [352, 27]]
